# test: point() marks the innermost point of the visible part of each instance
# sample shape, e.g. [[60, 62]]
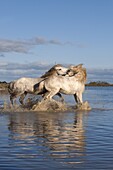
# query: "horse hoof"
[[83, 106]]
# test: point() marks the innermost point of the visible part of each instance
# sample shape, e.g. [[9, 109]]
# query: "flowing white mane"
[[79, 72]]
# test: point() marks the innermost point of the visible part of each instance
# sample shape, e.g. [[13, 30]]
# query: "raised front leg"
[[50, 94]]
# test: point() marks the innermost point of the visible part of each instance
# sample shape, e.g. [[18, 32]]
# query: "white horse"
[[73, 84], [25, 85]]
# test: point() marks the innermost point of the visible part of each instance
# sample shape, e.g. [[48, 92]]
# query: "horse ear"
[[79, 65], [57, 65]]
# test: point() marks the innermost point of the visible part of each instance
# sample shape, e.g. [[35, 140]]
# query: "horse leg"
[[78, 98], [45, 96], [22, 97], [75, 97], [62, 99], [50, 94], [12, 97]]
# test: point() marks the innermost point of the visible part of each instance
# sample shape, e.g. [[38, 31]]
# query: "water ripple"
[[47, 141]]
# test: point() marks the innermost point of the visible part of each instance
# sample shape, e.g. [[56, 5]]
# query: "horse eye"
[[59, 68]]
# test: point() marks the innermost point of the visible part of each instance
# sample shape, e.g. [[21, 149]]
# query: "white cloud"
[[24, 46], [11, 71]]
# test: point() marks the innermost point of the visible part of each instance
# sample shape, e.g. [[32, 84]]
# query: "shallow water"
[[71, 140]]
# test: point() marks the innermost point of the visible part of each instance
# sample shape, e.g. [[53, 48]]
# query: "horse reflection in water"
[[62, 134]]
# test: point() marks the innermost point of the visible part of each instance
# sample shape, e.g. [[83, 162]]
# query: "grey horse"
[[21, 87], [72, 84]]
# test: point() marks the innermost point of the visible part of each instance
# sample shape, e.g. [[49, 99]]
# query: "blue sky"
[[44, 32]]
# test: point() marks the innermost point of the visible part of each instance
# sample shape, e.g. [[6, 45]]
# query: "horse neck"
[[49, 73], [81, 76], [39, 78], [53, 75]]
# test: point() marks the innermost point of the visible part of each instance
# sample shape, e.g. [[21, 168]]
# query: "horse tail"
[[39, 87], [11, 87]]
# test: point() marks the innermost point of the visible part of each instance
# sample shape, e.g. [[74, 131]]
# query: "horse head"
[[57, 69], [78, 71]]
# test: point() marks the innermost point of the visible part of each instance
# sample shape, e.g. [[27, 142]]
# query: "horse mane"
[[79, 72], [51, 71], [84, 75]]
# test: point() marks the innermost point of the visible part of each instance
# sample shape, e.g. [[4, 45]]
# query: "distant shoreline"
[[99, 83], [4, 84]]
